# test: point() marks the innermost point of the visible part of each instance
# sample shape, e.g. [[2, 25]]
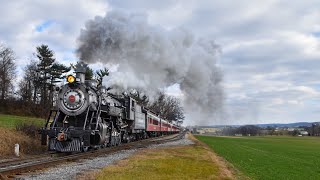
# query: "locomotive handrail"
[[98, 112], [47, 122], [55, 119], [85, 121], [91, 118]]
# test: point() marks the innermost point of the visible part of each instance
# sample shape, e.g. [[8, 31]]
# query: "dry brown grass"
[[10, 137], [91, 175], [181, 162]]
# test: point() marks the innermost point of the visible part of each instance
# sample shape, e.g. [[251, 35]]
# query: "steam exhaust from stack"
[[151, 58]]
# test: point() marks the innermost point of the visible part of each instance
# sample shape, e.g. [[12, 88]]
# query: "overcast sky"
[[270, 49]]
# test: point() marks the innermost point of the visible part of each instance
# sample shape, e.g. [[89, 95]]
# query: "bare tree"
[[159, 104], [173, 110], [168, 107], [27, 86], [7, 71]]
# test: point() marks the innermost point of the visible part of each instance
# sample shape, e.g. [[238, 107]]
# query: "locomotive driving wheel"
[[125, 137]]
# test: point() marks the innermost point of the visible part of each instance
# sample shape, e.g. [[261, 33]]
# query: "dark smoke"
[[152, 58]]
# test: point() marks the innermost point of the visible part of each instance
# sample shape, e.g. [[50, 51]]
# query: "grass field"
[[270, 157], [10, 121]]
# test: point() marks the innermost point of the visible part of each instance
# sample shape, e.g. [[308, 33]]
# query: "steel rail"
[[30, 165]]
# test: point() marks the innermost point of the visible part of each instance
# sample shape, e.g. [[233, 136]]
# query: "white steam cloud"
[[151, 58]]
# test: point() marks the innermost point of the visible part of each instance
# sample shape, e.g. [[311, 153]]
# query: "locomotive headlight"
[[71, 79]]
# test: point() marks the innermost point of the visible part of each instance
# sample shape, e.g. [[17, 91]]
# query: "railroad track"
[[10, 162], [10, 169]]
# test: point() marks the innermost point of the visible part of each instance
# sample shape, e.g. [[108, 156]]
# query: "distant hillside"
[[297, 124]]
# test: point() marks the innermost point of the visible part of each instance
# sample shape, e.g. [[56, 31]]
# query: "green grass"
[[270, 157], [10, 121]]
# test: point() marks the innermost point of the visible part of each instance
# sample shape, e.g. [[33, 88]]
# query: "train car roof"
[[158, 118]]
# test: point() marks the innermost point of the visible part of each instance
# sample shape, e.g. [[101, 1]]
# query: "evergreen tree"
[[46, 60], [102, 73], [49, 73], [56, 72], [89, 73]]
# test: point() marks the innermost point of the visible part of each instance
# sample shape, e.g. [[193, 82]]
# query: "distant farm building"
[[304, 133], [211, 131]]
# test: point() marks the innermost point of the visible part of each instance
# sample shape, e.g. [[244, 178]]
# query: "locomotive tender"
[[86, 116]]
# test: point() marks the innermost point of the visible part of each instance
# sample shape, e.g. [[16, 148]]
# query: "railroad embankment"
[[19, 130], [10, 137]]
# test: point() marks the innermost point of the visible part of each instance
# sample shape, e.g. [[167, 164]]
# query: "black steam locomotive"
[[86, 116]]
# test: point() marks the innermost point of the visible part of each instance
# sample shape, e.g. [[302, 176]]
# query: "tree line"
[[247, 130], [252, 130], [33, 94]]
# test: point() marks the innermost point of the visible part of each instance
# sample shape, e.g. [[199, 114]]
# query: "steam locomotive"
[[86, 116]]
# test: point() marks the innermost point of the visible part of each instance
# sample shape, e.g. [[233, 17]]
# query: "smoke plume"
[[151, 58]]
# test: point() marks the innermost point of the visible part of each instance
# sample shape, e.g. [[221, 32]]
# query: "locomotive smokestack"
[[80, 70], [81, 76]]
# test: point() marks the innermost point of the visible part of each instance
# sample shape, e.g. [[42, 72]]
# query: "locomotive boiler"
[[85, 115]]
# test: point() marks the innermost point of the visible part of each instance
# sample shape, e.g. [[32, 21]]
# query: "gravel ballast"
[[70, 170]]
